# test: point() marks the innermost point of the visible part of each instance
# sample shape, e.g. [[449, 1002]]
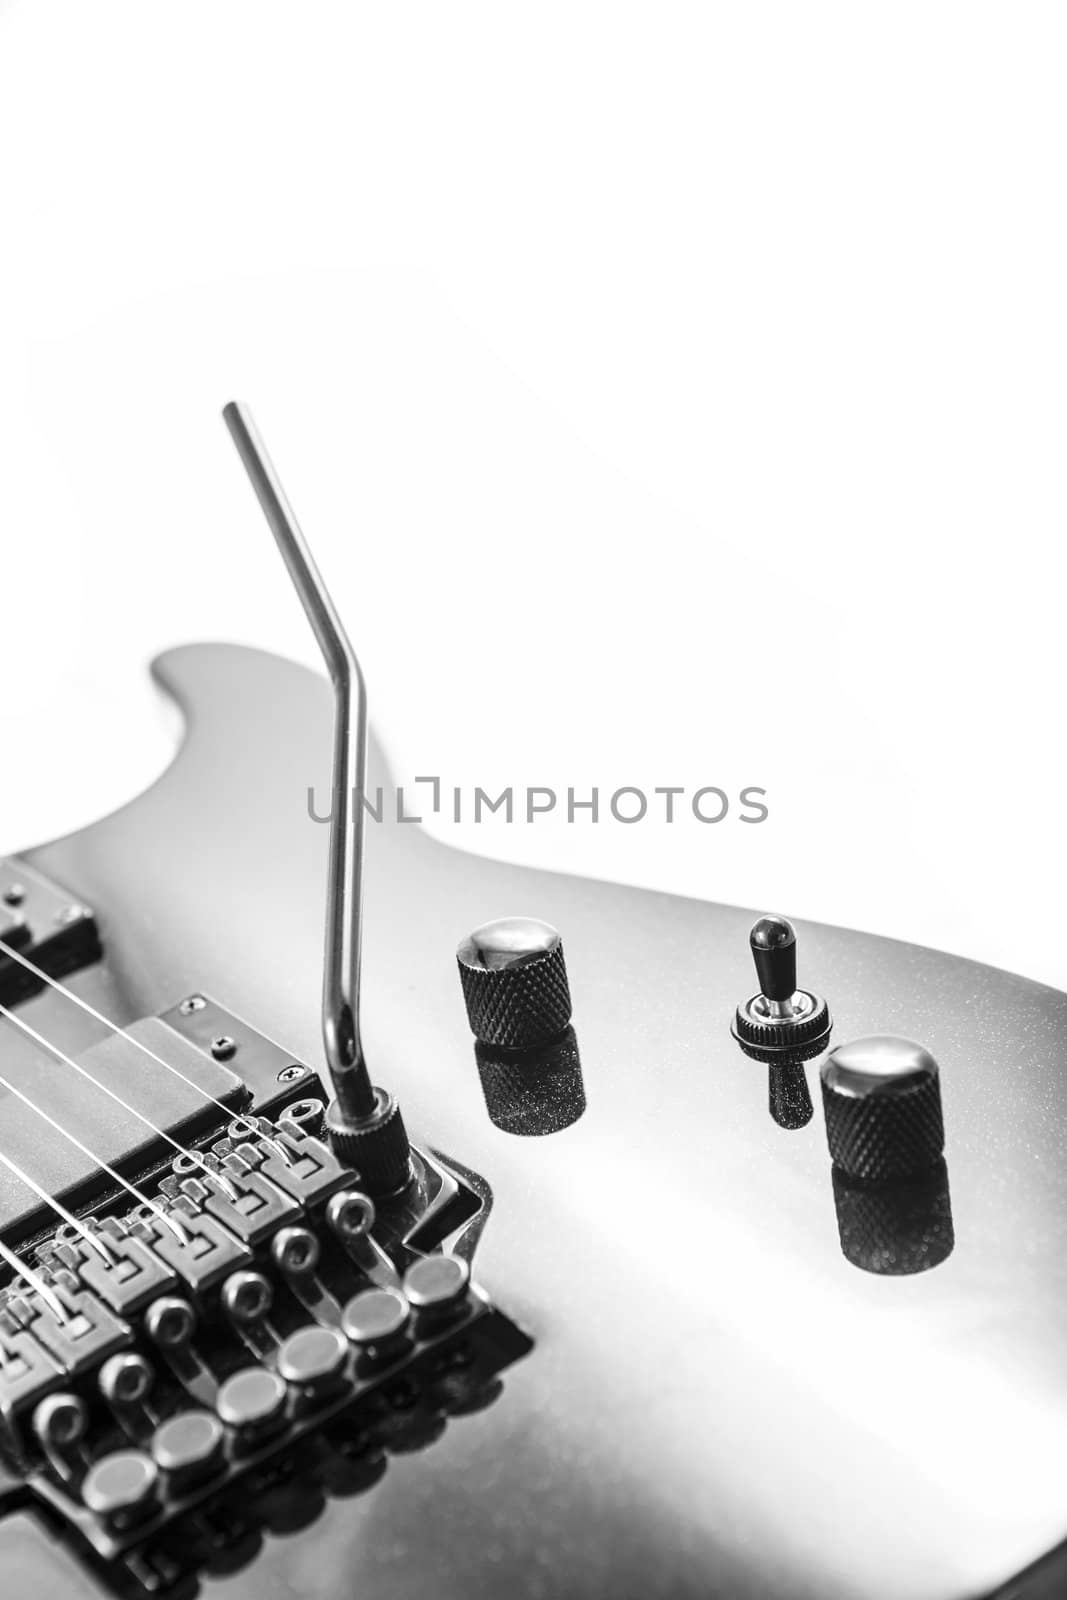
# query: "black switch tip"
[[774, 950]]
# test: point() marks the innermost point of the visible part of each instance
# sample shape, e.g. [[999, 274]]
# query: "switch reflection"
[[788, 1096]]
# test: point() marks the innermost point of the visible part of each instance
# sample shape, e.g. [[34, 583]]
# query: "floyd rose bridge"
[[218, 1261]]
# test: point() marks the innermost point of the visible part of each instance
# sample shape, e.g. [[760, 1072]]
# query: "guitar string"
[[97, 1242], [35, 1281], [113, 1027], [131, 1188], [193, 1155]]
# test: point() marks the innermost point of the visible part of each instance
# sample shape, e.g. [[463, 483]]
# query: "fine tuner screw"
[[781, 1022]]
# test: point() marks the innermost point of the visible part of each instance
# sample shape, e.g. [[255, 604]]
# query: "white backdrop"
[[673, 395]]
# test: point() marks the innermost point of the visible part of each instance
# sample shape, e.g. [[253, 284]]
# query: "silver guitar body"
[[718, 1401]]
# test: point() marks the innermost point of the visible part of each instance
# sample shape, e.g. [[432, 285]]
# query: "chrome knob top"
[[514, 982], [878, 1065]]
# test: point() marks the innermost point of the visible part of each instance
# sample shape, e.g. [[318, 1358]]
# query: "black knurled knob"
[[515, 983], [882, 1098]]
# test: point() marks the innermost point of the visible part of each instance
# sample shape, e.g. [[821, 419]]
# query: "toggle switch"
[[780, 1023]]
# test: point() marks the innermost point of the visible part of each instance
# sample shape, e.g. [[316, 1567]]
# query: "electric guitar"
[[582, 1262]]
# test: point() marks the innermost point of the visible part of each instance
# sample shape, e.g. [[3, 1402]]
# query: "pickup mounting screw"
[[223, 1047], [14, 894], [290, 1074], [195, 1002]]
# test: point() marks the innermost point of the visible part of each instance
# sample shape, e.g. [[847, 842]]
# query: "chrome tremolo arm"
[[364, 1121]]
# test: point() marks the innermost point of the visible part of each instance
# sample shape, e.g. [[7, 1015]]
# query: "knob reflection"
[[788, 1096], [895, 1229], [532, 1093]]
